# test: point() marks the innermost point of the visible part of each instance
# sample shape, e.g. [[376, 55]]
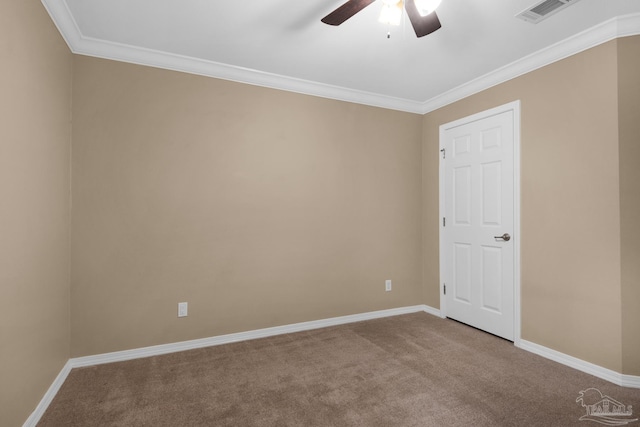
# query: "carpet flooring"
[[409, 370]]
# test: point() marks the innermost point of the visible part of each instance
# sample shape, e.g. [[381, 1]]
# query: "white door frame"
[[515, 107]]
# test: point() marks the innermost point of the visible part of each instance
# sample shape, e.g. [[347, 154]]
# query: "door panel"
[[462, 272], [491, 283], [478, 206], [462, 195], [491, 197]]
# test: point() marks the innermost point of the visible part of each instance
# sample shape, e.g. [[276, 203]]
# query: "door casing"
[[515, 107]]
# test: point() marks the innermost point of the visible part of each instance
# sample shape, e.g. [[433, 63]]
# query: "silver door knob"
[[504, 237]]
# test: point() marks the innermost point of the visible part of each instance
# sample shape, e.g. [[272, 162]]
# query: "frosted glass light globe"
[[425, 7]]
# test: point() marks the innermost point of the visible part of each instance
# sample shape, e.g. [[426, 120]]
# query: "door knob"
[[504, 237]]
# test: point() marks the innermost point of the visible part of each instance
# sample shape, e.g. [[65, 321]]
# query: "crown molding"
[[169, 61], [88, 46], [622, 26]]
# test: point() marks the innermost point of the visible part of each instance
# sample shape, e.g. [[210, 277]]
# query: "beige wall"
[[35, 137], [570, 204], [629, 118], [258, 207]]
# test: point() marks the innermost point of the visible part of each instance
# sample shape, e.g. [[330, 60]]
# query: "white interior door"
[[478, 232]]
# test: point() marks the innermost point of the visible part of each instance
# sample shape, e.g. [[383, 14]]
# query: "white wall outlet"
[[183, 309], [387, 285]]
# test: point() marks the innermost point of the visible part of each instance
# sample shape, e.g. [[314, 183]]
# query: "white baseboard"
[[119, 356], [33, 420], [433, 311], [157, 350], [632, 381], [581, 365]]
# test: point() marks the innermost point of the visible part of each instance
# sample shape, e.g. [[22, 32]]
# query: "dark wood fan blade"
[[422, 25], [346, 11]]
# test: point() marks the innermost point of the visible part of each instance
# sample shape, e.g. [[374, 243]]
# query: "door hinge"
[[444, 221], [444, 153], [445, 288]]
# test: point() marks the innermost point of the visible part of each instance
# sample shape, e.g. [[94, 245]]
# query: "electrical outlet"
[[387, 285], [183, 309]]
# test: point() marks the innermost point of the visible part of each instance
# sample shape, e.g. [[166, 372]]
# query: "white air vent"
[[544, 9]]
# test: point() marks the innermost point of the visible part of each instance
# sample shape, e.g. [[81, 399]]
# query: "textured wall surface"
[[35, 138], [629, 117], [258, 207]]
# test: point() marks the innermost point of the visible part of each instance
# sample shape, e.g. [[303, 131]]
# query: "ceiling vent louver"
[[544, 9]]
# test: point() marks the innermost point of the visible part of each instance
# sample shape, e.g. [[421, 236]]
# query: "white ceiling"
[[283, 44]]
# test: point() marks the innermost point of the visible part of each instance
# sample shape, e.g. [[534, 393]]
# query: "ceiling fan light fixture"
[[391, 12], [425, 7]]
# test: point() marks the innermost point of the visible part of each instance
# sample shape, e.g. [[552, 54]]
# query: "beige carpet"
[[411, 370]]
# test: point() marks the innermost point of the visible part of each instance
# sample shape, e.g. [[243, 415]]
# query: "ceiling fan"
[[421, 13]]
